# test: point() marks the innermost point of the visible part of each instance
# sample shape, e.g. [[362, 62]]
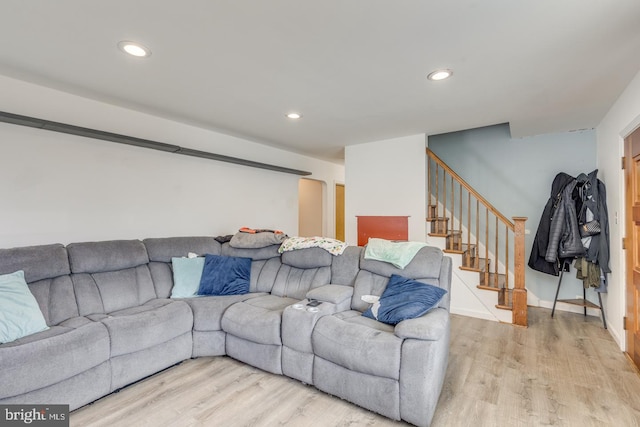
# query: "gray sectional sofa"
[[111, 323]]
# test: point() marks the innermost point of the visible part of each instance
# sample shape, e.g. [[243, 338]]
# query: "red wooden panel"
[[382, 227]]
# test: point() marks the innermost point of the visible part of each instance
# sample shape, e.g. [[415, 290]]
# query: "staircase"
[[487, 242]]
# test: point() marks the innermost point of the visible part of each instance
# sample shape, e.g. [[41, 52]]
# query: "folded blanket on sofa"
[[244, 240], [333, 246], [397, 253]]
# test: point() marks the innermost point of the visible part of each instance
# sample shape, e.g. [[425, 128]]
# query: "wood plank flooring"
[[565, 371]]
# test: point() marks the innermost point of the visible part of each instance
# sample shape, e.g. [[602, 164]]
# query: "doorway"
[[310, 207], [632, 243]]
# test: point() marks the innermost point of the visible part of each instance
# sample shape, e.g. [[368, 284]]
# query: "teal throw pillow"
[[20, 314], [186, 276]]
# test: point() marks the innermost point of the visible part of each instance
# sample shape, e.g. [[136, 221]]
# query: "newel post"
[[519, 291]]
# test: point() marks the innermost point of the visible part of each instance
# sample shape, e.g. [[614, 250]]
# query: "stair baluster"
[[447, 220]]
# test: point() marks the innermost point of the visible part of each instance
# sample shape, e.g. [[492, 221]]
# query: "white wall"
[[386, 178], [62, 188], [619, 122]]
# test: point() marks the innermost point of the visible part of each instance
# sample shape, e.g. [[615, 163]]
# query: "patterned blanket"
[[333, 246]]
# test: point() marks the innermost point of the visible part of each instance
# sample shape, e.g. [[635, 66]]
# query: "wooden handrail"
[[470, 189]]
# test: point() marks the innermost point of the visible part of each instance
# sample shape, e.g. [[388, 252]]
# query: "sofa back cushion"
[[428, 266], [161, 250], [265, 263], [46, 270], [110, 276], [345, 267], [301, 271]]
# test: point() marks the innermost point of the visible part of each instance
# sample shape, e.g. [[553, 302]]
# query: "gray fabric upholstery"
[[147, 325], [344, 268], [110, 291], [256, 240], [297, 364], [295, 282], [110, 276], [263, 274], [257, 319], [132, 367], [424, 364], [259, 254], [380, 395], [298, 324], [56, 298], [267, 357], [208, 310], [444, 282], [96, 257], [209, 343], [76, 391], [357, 347], [429, 327], [301, 271], [334, 294], [162, 277], [307, 258], [208, 337], [37, 262], [164, 248], [68, 349]]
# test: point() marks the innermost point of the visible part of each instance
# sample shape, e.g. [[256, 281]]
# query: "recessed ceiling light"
[[134, 49], [440, 75], [294, 116]]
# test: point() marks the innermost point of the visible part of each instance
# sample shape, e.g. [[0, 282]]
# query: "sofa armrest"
[[334, 294], [429, 327]]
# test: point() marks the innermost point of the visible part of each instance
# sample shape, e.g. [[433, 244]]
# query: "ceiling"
[[356, 69]]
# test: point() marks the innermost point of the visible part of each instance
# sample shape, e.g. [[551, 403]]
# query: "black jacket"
[[564, 234], [541, 241], [594, 197]]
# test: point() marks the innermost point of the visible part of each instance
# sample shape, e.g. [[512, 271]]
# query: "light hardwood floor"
[[565, 371]]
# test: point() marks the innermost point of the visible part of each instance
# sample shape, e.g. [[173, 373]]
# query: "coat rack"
[[583, 302]]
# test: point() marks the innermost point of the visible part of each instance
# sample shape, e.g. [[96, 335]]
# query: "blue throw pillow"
[[225, 275], [20, 314], [187, 273], [404, 299]]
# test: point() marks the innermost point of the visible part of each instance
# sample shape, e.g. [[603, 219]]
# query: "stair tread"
[[488, 288], [483, 264], [438, 235], [453, 251]]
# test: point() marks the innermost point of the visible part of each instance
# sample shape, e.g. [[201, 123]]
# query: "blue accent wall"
[[515, 176]]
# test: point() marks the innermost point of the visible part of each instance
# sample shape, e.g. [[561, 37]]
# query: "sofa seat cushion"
[[141, 327], [358, 343], [208, 310], [49, 357], [257, 319]]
